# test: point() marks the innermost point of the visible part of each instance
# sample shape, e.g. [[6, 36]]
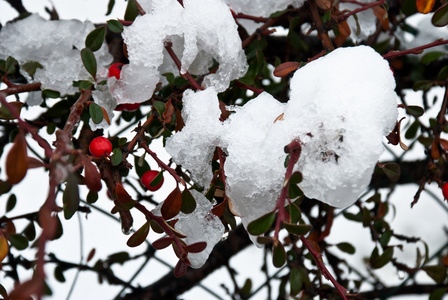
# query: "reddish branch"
[[186, 75], [322, 33], [363, 8], [21, 88], [248, 87], [42, 143], [416, 50]]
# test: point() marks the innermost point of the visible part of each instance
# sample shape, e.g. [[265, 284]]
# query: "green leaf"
[[414, 110], [378, 261], [83, 84], [58, 274], [95, 38], [18, 241], [30, 231], [119, 257], [50, 94], [296, 178], [110, 6], [141, 165], [262, 224], [294, 213], [412, 130], [295, 281], [278, 255], [440, 16], [159, 106], [443, 74], [96, 113], [70, 197], [3, 292], [5, 187], [31, 67], [131, 11], [437, 294], [188, 202], [89, 61], [437, 273], [115, 26], [297, 229], [422, 85], [11, 203], [431, 56], [392, 171], [156, 180], [5, 114], [116, 157], [139, 236], [247, 287], [10, 65], [346, 247]]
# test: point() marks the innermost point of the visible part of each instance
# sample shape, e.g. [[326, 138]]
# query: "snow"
[[200, 226], [366, 20], [55, 45], [340, 108], [200, 32]]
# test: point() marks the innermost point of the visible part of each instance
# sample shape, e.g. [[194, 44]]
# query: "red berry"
[[148, 177], [100, 146], [445, 190], [127, 107], [115, 70]]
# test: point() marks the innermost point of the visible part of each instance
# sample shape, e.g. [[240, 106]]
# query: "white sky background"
[[426, 219]]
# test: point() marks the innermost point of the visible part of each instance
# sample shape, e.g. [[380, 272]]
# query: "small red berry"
[[148, 177], [100, 146], [445, 190], [115, 70], [127, 107]]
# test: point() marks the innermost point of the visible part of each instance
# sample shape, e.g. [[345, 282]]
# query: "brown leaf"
[[219, 209], [105, 115], [381, 14], [34, 163], [444, 144], [17, 159], [92, 176], [285, 68], [196, 247], [122, 195], [323, 4], [435, 153], [344, 33], [91, 254], [425, 6], [180, 269], [162, 243], [280, 118], [179, 121], [168, 113], [4, 247], [172, 204], [224, 112]]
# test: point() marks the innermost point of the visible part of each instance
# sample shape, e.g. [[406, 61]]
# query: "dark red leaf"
[[180, 269], [92, 176], [162, 243], [122, 195], [17, 159], [196, 247], [172, 204], [139, 236]]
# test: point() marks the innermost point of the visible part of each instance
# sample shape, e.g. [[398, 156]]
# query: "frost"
[[367, 20], [340, 108], [200, 32], [200, 226], [55, 45]]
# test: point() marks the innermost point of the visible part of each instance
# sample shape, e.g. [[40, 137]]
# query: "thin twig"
[[416, 50]]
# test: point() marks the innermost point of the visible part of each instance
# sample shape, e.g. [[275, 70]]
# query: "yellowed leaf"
[[4, 247], [425, 6]]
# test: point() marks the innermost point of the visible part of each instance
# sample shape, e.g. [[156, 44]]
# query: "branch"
[[416, 50], [363, 8], [17, 5], [323, 35], [21, 88], [169, 287]]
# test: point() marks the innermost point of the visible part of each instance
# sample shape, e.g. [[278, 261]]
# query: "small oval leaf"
[[196, 247], [115, 26], [172, 204], [89, 61], [96, 113], [297, 229], [262, 224], [278, 255], [70, 197], [139, 236], [4, 247], [440, 16], [188, 202], [162, 243], [17, 159], [285, 68], [95, 38], [346, 247]]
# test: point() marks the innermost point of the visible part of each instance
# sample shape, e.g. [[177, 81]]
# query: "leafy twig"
[[416, 50]]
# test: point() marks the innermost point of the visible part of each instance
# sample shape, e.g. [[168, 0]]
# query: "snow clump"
[[340, 108], [200, 31], [56, 45]]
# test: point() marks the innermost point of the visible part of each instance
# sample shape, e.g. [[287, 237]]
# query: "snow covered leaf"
[[425, 6]]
